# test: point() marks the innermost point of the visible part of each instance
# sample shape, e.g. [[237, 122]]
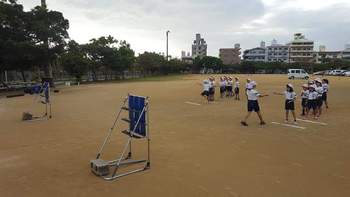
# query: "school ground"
[[196, 149]]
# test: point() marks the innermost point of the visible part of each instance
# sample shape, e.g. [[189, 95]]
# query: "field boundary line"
[[313, 122], [192, 103], [289, 125]]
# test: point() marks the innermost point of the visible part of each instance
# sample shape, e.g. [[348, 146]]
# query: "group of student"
[[228, 88], [313, 95]]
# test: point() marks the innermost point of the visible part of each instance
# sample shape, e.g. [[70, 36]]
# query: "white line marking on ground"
[[289, 125], [191, 103], [314, 122]]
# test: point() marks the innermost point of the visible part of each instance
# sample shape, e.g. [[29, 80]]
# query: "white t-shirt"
[[319, 90], [325, 87], [237, 84], [229, 83], [212, 84], [206, 85], [305, 94], [253, 94], [290, 95], [222, 83], [313, 95]]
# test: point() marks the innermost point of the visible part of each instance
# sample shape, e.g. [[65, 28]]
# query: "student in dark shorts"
[[325, 86], [253, 104], [289, 104], [304, 99], [312, 101], [237, 84]]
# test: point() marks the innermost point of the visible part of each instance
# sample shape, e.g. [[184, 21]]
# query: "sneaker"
[[244, 124], [286, 121], [262, 123], [295, 122]]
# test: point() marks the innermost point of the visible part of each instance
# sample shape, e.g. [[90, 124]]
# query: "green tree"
[[74, 61], [150, 63], [48, 30]]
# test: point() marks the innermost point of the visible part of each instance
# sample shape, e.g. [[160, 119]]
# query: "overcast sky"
[[222, 23]]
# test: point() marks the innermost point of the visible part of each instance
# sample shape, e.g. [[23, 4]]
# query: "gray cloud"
[[143, 22]]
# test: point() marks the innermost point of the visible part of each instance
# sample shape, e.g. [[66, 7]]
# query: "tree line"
[[38, 41]]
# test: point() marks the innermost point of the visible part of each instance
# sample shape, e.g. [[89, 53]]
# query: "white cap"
[[305, 86], [290, 85]]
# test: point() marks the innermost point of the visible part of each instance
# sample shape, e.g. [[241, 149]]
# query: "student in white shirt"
[[325, 85], [212, 89], [237, 84], [312, 101], [253, 104], [229, 87], [319, 90], [222, 87], [289, 105], [304, 98], [206, 87]]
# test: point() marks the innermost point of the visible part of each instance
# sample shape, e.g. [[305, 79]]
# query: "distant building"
[[277, 52], [199, 47], [322, 48], [262, 44], [257, 54], [347, 47], [186, 57], [301, 49], [322, 56], [230, 56]]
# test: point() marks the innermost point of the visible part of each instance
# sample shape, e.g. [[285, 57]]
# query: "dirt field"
[[196, 150]]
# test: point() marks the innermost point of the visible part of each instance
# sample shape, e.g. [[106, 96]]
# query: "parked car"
[[337, 72], [297, 74], [347, 73], [320, 72]]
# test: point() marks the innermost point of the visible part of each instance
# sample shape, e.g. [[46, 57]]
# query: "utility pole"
[[43, 3], [167, 45]]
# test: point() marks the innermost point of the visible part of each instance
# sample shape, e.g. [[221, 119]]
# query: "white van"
[[298, 74]]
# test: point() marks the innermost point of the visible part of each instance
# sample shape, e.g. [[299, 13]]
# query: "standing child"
[[206, 87], [237, 84], [319, 90], [253, 104], [212, 88], [312, 101], [304, 98], [222, 87], [325, 85], [289, 105], [230, 87]]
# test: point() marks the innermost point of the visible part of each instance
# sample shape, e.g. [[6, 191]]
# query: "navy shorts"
[[289, 105], [253, 106], [229, 88], [236, 90], [324, 96], [319, 102], [205, 93], [304, 102], [211, 91], [222, 89], [312, 104]]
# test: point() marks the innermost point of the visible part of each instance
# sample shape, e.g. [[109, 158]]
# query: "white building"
[[277, 52], [257, 54], [199, 47], [301, 49]]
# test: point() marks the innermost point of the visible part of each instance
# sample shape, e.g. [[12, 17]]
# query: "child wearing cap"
[[212, 89], [206, 87], [229, 87], [312, 101], [237, 84], [289, 106], [222, 86], [304, 98], [325, 86], [319, 90], [253, 104]]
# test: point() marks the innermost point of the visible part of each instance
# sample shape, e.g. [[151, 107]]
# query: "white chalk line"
[[192, 103], [289, 125], [313, 122]]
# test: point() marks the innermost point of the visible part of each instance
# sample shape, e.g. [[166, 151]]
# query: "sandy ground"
[[197, 150]]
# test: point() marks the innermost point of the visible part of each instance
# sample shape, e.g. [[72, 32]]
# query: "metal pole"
[[6, 77], [167, 45]]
